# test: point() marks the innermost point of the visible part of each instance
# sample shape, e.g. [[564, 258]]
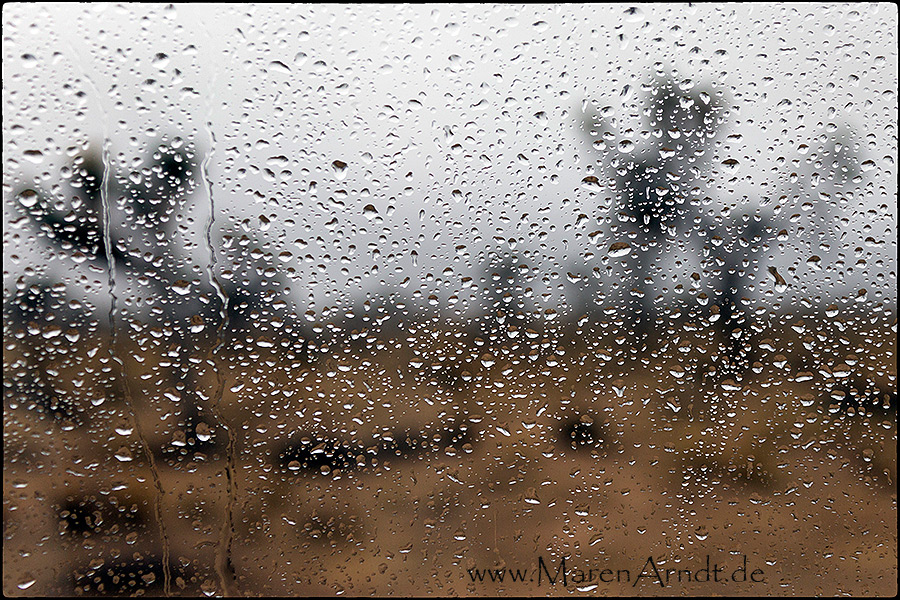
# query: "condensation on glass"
[[393, 300]]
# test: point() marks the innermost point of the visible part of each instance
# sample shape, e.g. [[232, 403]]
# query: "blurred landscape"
[[601, 321]]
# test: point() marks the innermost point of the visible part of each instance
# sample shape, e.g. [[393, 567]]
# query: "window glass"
[[487, 300]]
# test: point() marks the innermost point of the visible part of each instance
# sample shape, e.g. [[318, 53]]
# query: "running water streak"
[[111, 282], [224, 562]]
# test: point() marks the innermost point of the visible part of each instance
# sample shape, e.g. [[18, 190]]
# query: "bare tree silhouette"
[[651, 179]]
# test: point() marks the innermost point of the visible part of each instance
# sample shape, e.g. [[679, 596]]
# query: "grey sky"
[[454, 121]]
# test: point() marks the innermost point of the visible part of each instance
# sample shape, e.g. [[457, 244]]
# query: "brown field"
[[581, 450]]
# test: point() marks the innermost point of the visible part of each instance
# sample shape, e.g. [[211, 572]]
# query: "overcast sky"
[[458, 124]]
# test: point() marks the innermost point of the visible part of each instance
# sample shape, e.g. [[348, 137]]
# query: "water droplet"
[[731, 166], [123, 454], [197, 324], [619, 249], [634, 14], [340, 169], [28, 580], [203, 432], [28, 198], [780, 284], [181, 287], [161, 60], [279, 67], [33, 156], [841, 371], [590, 182]]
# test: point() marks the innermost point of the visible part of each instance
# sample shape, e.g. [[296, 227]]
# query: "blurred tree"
[[254, 286], [504, 296], [380, 314], [652, 188], [737, 264], [73, 224], [44, 301], [142, 249], [73, 221]]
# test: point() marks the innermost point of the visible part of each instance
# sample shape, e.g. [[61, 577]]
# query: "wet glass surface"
[[486, 300]]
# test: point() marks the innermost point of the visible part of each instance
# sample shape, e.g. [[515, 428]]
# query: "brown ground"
[[742, 468]]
